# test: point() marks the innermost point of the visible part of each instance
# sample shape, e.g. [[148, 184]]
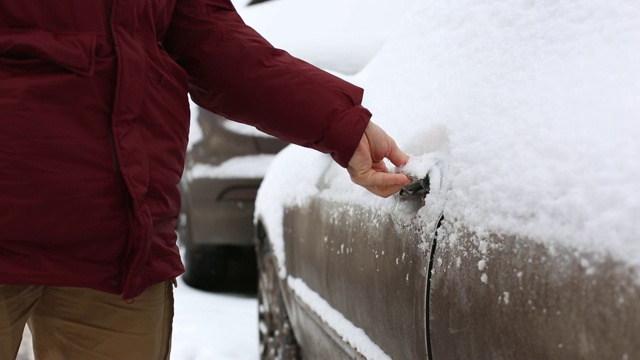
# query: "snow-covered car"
[[225, 164], [521, 238]]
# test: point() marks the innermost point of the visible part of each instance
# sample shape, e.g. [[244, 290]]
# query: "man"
[[94, 112]]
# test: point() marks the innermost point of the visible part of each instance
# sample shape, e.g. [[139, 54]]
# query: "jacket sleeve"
[[235, 72]]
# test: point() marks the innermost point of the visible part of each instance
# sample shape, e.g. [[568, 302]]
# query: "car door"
[[508, 297], [368, 264]]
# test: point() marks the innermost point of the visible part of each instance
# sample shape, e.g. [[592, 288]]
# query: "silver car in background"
[[225, 165]]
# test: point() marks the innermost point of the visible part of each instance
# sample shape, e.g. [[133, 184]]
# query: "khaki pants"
[[83, 324]]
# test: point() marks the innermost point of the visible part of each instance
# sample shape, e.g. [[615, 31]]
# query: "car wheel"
[[205, 266], [277, 340]]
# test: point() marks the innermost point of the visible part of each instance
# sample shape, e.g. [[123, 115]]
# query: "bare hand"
[[367, 167]]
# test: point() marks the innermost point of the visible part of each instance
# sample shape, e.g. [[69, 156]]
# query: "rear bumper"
[[223, 212]]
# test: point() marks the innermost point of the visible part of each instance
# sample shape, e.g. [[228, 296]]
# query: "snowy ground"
[[206, 326], [214, 326]]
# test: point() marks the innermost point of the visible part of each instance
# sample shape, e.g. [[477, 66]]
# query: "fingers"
[[380, 183], [397, 156], [383, 146], [367, 167], [384, 192]]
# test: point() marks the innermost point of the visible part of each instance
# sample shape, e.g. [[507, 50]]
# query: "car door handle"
[[419, 187]]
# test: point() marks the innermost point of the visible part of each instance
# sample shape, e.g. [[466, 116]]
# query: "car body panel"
[[548, 301], [505, 297], [362, 271], [214, 220], [317, 339]]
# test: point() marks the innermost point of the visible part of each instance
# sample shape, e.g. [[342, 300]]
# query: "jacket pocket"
[[29, 49]]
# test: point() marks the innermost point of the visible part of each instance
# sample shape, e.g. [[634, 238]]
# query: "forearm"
[[236, 73]]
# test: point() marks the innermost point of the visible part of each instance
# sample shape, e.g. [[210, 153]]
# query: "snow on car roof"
[[536, 106], [333, 34]]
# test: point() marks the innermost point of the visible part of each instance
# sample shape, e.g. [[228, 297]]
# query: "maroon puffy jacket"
[[94, 122]]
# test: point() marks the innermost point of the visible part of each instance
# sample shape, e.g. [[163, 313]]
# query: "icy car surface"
[[524, 118]]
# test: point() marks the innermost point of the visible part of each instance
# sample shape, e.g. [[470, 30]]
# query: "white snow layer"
[[242, 167], [350, 333], [333, 34], [239, 4], [195, 131], [210, 326], [243, 129], [535, 106]]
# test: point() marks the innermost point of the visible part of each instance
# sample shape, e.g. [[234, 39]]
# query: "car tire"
[[277, 340], [205, 266]]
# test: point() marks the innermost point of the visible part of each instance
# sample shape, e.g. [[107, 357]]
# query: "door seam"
[[429, 279]]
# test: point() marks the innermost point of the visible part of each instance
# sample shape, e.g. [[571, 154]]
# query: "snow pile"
[[332, 34], [240, 167], [534, 104]]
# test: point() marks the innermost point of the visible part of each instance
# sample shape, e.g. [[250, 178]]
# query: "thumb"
[[383, 146], [397, 156]]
